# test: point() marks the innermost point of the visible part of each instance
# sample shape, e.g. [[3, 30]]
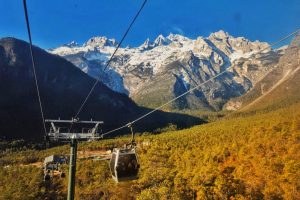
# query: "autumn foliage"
[[247, 156]]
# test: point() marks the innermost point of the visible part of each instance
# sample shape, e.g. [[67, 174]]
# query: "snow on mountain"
[[101, 42], [161, 40], [72, 44], [133, 70]]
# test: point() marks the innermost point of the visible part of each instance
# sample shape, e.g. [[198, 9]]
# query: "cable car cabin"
[[124, 165], [53, 162]]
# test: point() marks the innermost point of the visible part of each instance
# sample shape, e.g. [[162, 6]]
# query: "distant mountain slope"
[[63, 87], [280, 87], [161, 69]]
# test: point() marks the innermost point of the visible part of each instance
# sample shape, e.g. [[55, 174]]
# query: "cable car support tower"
[[62, 134]]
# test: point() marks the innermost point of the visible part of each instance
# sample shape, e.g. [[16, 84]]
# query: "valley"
[[149, 100], [195, 149]]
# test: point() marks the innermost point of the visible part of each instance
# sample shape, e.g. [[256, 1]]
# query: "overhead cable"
[[33, 65], [111, 58]]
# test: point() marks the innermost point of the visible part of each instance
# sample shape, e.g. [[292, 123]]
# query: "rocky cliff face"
[[279, 87], [159, 70]]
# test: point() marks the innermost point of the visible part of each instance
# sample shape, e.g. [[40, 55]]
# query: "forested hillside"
[[253, 156]]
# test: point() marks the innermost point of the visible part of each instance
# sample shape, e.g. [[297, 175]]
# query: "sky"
[[57, 22]]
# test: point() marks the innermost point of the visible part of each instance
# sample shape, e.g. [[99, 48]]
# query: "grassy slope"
[[249, 157]]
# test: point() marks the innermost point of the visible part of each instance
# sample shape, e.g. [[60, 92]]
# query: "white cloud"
[[176, 29]]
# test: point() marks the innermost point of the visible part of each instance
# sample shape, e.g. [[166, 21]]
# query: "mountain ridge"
[[133, 70]]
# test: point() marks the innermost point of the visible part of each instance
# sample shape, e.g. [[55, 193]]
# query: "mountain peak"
[[100, 41], [71, 44], [177, 38], [219, 34], [161, 40], [147, 44]]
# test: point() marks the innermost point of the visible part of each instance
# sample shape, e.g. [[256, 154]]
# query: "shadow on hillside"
[[157, 120], [22, 123]]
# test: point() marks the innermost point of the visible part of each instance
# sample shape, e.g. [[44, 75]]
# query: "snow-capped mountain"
[[159, 70]]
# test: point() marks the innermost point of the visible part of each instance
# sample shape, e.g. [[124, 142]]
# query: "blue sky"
[[56, 22]]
